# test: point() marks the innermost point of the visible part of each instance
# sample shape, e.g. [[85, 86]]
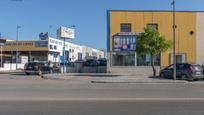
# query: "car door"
[[179, 70], [169, 71], [44, 67]]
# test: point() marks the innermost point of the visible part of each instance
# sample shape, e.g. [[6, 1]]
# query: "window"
[[153, 25], [125, 27], [55, 47], [123, 59], [145, 60], [124, 43], [51, 46]]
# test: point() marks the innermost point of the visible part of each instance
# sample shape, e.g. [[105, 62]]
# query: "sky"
[[88, 16]]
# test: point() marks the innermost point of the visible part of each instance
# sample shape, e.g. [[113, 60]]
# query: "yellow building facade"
[[123, 25]]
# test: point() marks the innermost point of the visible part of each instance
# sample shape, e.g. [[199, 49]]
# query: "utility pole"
[[64, 56], [17, 34], [64, 52], [174, 38], [1, 54]]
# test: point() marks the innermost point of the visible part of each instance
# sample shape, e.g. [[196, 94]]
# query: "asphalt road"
[[32, 95], [102, 107]]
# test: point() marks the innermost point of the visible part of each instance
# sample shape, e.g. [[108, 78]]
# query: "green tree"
[[151, 42]]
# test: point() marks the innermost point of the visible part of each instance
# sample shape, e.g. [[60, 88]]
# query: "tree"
[[151, 42]]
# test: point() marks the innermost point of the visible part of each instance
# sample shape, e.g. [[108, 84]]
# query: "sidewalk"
[[10, 71], [111, 78]]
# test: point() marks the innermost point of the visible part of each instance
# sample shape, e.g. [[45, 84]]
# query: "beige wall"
[[200, 38]]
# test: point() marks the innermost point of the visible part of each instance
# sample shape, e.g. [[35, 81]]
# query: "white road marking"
[[101, 99]]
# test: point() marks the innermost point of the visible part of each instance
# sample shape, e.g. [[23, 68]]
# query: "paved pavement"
[[111, 78], [102, 107]]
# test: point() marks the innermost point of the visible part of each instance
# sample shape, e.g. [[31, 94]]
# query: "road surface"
[[23, 95]]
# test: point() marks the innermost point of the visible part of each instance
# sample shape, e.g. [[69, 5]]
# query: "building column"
[[135, 58], [111, 59], [29, 56]]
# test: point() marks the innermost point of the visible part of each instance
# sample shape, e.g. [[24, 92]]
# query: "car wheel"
[[162, 75], [27, 73], [39, 72]]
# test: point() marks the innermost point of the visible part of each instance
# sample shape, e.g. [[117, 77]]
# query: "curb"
[[138, 82]]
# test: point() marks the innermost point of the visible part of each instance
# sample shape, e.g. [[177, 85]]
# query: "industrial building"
[[50, 49], [123, 27]]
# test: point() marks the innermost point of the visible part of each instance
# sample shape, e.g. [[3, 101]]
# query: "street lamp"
[[73, 26], [174, 38], [1, 54], [17, 34]]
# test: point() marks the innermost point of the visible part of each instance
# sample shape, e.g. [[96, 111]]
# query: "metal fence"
[[81, 68]]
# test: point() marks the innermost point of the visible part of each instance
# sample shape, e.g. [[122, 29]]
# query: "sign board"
[[124, 43], [64, 32], [128, 33], [43, 35], [20, 43], [41, 43]]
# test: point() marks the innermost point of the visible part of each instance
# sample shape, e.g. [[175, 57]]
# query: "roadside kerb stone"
[[133, 79], [56, 76]]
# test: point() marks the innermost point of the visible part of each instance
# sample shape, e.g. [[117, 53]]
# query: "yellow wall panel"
[[185, 21]]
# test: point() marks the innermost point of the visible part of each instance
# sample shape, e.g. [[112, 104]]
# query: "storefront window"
[[128, 59], [124, 59], [145, 60]]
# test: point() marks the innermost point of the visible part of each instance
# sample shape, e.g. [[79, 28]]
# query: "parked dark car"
[[184, 71], [102, 62], [41, 68], [91, 62]]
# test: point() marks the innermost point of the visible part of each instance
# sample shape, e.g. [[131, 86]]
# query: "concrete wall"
[[200, 38], [75, 69], [8, 67], [133, 71]]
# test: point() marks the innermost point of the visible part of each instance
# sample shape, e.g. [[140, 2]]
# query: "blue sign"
[[43, 35], [41, 44]]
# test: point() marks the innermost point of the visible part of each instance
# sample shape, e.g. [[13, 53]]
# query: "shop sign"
[[20, 43], [41, 44], [43, 35], [64, 32], [124, 43]]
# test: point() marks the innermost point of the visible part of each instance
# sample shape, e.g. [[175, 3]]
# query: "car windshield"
[[197, 67], [32, 64]]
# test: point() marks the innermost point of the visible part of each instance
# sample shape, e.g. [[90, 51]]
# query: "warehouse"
[[123, 27], [50, 49]]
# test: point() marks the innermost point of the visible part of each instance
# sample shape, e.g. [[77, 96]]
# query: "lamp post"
[[73, 26], [17, 35], [1, 54], [174, 38]]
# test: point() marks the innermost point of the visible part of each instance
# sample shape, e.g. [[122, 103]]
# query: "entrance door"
[[179, 59]]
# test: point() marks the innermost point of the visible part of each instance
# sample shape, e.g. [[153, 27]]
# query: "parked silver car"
[[184, 71]]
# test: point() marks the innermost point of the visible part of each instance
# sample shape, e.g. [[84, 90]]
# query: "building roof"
[[153, 11]]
